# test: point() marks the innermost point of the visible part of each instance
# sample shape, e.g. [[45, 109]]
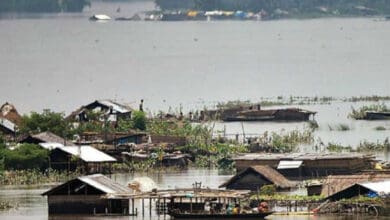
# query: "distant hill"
[[43, 5], [285, 7]]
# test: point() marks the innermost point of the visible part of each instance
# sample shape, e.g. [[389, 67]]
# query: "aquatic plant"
[[380, 128], [5, 205], [35, 177], [313, 125], [367, 146], [339, 127], [331, 147], [286, 142], [361, 112]]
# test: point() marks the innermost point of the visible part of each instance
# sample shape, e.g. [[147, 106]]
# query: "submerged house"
[[254, 177], [88, 158], [307, 165], [110, 110], [337, 183], [370, 189], [87, 195], [288, 114]]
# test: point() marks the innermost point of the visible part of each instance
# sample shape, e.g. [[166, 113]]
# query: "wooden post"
[[150, 207], [132, 206], [191, 205], [143, 207], [165, 205]]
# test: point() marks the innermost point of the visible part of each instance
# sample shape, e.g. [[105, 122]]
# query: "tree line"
[[43, 5], [341, 6]]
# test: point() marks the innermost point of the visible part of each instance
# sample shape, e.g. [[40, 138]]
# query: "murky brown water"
[[32, 206]]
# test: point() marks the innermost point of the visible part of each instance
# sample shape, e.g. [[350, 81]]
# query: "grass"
[[360, 113], [34, 177], [364, 147], [339, 127], [380, 128], [286, 142]]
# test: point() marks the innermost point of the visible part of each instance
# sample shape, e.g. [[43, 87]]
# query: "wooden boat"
[[178, 215]]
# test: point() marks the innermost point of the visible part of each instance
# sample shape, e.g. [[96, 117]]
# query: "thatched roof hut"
[[255, 177]]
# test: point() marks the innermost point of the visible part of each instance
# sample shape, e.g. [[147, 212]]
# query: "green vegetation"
[[361, 112], [338, 148], [339, 127], [287, 142], [267, 195], [23, 157], [380, 128], [43, 5], [34, 177], [45, 121], [267, 190], [365, 146], [5, 205]]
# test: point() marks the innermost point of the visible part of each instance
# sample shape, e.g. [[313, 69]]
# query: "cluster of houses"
[[93, 152]]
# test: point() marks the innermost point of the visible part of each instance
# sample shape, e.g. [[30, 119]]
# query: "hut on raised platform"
[[253, 178], [87, 195], [89, 159]]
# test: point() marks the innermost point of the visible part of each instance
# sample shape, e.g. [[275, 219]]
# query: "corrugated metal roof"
[[87, 153], [7, 124], [115, 106], [104, 184], [378, 187], [50, 146], [97, 181], [288, 164]]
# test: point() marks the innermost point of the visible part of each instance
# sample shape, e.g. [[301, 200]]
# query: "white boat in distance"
[[100, 17]]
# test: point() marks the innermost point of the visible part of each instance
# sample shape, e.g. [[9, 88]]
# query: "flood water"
[[63, 61], [33, 206]]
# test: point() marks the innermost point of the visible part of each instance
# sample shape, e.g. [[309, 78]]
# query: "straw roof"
[[266, 172], [336, 183]]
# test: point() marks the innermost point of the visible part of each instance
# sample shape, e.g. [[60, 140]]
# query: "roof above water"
[[378, 187], [97, 181], [286, 164], [268, 173], [87, 153], [299, 156]]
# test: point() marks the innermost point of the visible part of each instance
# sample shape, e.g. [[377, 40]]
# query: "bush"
[[268, 190], [139, 120], [45, 121], [26, 156]]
